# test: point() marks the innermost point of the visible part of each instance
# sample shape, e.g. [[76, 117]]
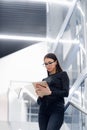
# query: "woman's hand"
[[42, 91]]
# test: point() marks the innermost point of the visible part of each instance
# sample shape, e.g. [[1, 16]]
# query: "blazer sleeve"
[[64, 91]]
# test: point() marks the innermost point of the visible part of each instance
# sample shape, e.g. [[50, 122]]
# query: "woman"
[[51, 97]]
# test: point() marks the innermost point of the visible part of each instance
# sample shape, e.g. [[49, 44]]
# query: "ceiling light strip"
[[25, 38]]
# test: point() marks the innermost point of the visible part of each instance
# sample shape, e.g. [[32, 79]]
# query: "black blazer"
[[59, 85]]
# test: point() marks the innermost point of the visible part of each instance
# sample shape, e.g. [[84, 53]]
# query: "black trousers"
[[51, 116]]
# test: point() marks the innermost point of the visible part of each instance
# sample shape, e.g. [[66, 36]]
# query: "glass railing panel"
[[56, 14], [74, 27], [77, 108], [22, 108], [22, 98], [78, 98], [72, 43], [75, 119]]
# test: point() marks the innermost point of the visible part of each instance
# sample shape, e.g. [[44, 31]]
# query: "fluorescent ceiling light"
[[36, 39], [25, 38], [69, 41]]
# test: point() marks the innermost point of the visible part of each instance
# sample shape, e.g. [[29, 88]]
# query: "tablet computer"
[[41, 83]]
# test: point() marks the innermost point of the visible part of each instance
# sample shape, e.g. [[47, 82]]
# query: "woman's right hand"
[[42, 91], [39, 90]]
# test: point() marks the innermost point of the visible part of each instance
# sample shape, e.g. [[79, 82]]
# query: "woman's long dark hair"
[[53, 56]]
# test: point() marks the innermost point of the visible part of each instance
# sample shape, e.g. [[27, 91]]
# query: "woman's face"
[[50, 65]]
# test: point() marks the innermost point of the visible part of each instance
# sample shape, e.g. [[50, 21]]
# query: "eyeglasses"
[[49, 63]]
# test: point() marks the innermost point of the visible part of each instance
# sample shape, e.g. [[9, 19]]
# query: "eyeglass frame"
[[49, 63]]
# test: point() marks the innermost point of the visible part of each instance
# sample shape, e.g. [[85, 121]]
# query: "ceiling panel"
[[21, 19]]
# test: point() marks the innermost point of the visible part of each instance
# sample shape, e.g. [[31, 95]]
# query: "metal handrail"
[[75, 86], [80, 108], [64, 25]]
